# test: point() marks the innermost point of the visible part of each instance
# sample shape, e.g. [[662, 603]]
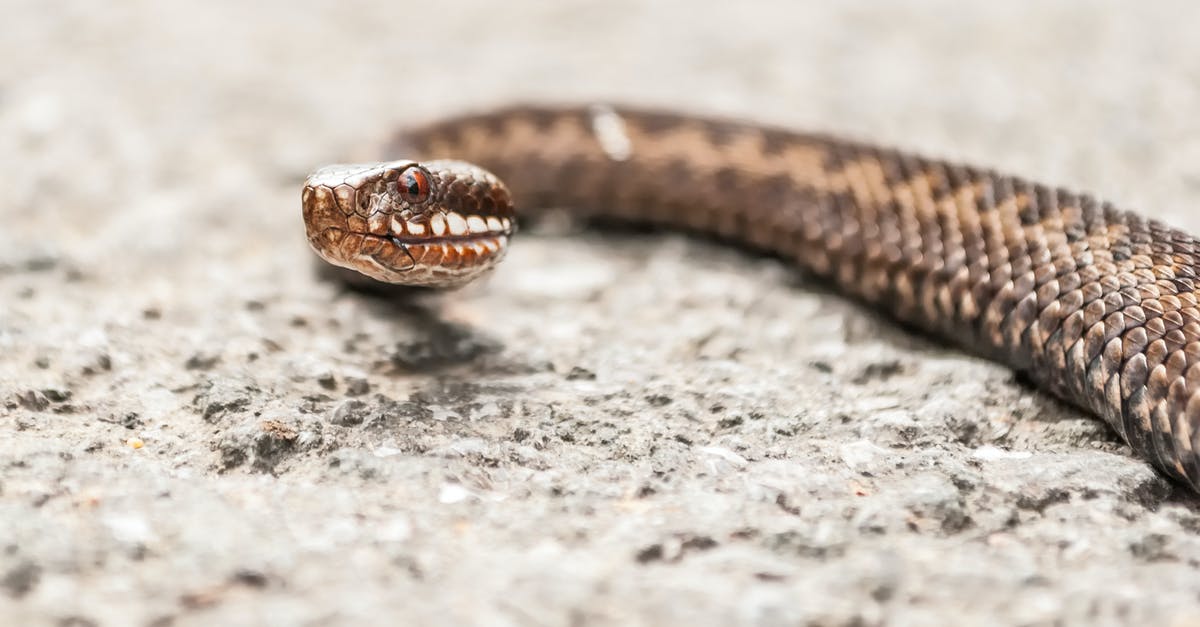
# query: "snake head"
[[437, 223]]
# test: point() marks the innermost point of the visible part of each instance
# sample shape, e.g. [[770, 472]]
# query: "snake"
[[1093, 304]]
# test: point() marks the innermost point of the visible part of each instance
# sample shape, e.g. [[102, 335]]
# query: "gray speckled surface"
[[616, 428]]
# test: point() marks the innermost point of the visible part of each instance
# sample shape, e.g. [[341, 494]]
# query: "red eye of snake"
[[413, 185]]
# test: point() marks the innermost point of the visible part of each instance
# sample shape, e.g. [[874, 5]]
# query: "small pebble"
[[357, 386]]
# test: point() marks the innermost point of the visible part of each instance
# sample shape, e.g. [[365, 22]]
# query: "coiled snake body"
[[1096, 305]]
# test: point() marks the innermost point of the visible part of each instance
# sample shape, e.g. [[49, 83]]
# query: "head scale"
[[437, 223]]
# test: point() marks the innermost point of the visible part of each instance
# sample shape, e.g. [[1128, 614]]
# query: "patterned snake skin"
[[1096, 305]]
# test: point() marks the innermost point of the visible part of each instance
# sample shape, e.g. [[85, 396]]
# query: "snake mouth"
[[402, 240], [413, 259]]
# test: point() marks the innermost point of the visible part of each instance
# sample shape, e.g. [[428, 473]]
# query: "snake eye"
[[413, 185]]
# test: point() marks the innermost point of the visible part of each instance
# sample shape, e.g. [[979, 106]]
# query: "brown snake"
[[1096, 305]]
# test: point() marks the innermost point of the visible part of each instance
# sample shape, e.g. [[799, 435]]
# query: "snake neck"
[[884, 226]]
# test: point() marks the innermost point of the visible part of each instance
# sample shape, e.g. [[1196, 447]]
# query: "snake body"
[[1095, 305]]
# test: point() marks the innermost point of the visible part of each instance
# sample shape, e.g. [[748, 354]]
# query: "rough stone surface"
[[617, 428]]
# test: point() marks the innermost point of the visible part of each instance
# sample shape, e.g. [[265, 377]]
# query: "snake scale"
[[1094, 304]]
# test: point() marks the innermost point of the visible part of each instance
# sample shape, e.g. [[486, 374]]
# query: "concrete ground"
[[617, 429]]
